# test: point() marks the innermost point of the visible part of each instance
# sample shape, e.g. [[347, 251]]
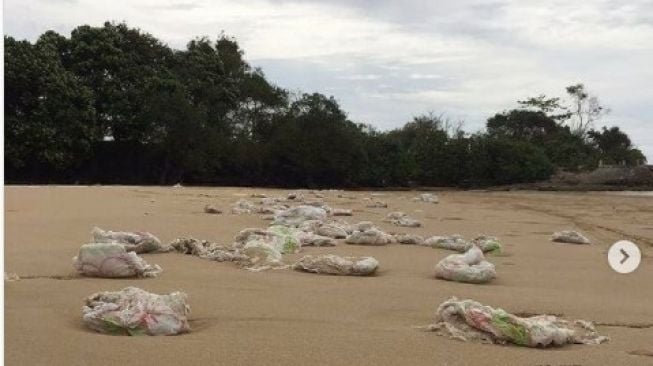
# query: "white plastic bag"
[[133, 311], [137, 241], [335, 265], [468, 320], [470, 267], [111, 260]]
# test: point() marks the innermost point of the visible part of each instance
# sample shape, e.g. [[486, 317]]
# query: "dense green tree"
[[48, 112], [114, 104], [615, 147]]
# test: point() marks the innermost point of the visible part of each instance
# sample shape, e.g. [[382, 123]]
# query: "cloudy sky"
[[386, 61]]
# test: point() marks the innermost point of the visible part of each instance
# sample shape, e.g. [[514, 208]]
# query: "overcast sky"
[[387, 61]]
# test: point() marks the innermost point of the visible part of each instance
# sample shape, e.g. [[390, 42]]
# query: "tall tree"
[[48, 112]]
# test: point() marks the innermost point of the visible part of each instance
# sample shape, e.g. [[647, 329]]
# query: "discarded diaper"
[[468, 320], [132, 311], [336, 265], [138, 241], [569, 236], [111, 260], [470, 267]]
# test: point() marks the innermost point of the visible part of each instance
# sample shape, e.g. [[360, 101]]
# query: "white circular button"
[[624, 256]]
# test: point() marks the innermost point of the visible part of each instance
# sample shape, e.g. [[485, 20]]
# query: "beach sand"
[[282, 317]]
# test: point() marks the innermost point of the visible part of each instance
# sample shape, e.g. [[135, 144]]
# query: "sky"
[[388, 61]]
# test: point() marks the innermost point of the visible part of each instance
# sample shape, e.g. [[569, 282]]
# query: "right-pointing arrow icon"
[[626, 256]]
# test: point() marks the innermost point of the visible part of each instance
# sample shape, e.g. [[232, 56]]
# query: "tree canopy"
[[113, 104]]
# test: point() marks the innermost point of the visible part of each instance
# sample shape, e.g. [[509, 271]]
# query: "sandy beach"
[[283, 317]]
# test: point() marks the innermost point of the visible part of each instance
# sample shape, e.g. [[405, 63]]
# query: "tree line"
[[113, 104]]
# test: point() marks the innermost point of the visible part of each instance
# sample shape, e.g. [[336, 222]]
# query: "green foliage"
[[48, 112], [113, 104]]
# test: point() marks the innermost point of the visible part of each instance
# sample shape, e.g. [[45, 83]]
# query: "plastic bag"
[[332, 229], [488, 244], [569, 236], [470, 267], [335, 265], [260, 256], [459, 244], [139, 242], [410, 239], [453, 242], [468, 320], [341, 212], [293, 217], [133, 311], [111, 260], [242, 207], [401, 219], [427, 197], [367, 234]]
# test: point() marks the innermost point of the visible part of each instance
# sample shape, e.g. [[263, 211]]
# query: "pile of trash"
[[139, 242], [269, 206], [456, 242], [133, 311], [410, 239], [468, 320], [336, 229], [569, 236], [112, 260], [470, 267], [207, 250], [295, 216], [427, 197], [335, 265], [401, 219], [366, 233]]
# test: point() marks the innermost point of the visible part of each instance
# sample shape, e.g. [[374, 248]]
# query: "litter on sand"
[[210, 209], [295, 216], [341, 212], [336, 229], [487, 244], [427, 197], [367, 234], [138, 241], [470, 267], [242, 207], [111, 260], [132, 311], [376, 204], [401, 219], [569, 236], [411, 239], [453, 242], [468, 320], [336, 265], [11, 277]]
